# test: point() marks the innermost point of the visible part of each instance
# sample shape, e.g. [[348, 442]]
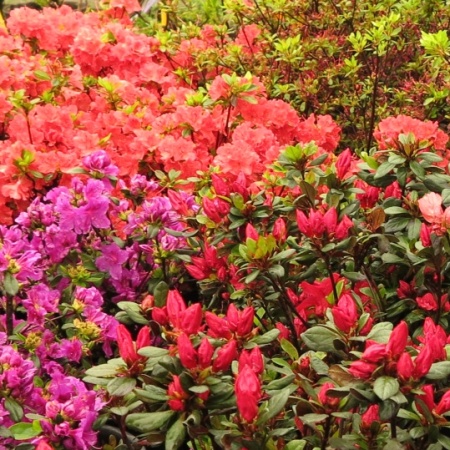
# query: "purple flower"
[[39, 302], [111, 260], [99, 164], [58, 243]]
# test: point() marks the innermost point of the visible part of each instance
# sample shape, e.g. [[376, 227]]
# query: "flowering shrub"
[[159, 286]]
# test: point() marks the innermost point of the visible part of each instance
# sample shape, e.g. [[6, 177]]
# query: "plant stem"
[[9, 315], [326, 433]]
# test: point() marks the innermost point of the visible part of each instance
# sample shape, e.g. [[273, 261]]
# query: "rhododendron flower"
[[318, 225], [128, 349], [430, 206], [345, 314], [248, 392], [225, 356], [252, 358], [111, 260], [329, 402], [177, 395], [371, 415], [398, 339], [389, 129]]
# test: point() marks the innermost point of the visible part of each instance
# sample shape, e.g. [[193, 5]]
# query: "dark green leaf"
[[121, 386], [386, 387], [14, 408], [175, 435], [145, 422]]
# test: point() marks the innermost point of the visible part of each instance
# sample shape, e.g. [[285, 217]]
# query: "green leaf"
[[384, 169], [104, 370], [320, 338], [160, 293], [11, 284], [381, 332], [266, 338], [296, 444], [28, 430], [275, 406], [14, 408], [386, 387], [439, 370], [281, 383], [152, 393], [153, 352], [145, 422], [121, 386], [175, 435], [396, 210], [289, 349]]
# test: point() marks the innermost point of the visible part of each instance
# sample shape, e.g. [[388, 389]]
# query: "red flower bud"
[[254, 359], [427, 397], [405, 366], [371, 415], [330, 220], [192, 319], [127, 349], [374, 352], [159, 315], [225, 356], [248, 393], [343, 163], [175, 306], [205, 353], [177, 396], [187, 352], [218, 327], [245, 324], [220, 186], [345, 314], [444, 404], [279, 230], [423, 362], [143, 338], [362, 369], [324, 399], [251, 232], [342, 229], [398, 339], [425, 235]]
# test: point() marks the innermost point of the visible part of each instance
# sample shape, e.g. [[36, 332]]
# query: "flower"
[[248, 392]]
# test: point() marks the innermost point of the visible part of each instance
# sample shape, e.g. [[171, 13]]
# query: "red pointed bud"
[[324, 399], [284, 331], [225, 356], [405, 366], [143, 338], [423, 362], [371, 415], [444, 404], [250, 232], [254, 359], [343, 228], [210, 209], [192, 319], [362, 369], [187, 352], [398, 339], [245, 324], [279, 230], [217, 327], [232, 317], [330, 220], [175, 306], [427, 397], [220, 186], [248, 393], [127, 350], [177, 396], [425, 235], [159, 315], [303, 223], [343, 163], [205, 353], [374, 352], [345, 314]]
